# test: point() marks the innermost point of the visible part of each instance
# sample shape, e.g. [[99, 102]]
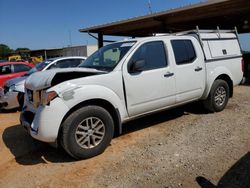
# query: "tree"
[[245, 52], [5, 51], [23, 52]]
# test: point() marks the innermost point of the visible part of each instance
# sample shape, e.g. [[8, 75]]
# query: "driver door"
[[152, 87]]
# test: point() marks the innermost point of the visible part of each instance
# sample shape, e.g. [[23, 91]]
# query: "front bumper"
[[8, 100], [44, 123]]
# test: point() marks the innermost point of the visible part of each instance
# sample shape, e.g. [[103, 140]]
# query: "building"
[[86, 50]]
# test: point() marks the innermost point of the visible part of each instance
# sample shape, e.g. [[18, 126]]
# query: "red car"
[[9, 70]]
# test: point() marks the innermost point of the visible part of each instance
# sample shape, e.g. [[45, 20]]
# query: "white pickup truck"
[[82, 107]]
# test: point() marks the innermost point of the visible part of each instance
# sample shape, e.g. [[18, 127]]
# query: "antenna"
[[150, 7]]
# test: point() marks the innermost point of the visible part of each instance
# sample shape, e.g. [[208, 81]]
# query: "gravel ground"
[[183, 147]]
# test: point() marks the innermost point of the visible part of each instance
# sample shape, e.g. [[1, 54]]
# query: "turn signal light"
[[50, 96]]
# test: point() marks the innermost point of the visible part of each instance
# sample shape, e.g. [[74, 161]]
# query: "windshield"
[[107, 57], [38, 67]]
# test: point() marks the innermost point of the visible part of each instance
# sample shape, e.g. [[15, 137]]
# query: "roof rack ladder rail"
[[201, 42], [198, 33], [237, 35], [218, 31]]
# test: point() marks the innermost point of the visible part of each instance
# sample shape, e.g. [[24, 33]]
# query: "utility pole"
[[70, 40], [150, 7]]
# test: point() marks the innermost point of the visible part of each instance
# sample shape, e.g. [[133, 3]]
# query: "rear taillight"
[[242, 65]]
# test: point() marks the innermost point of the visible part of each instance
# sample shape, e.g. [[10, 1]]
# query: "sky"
[[38, 24]]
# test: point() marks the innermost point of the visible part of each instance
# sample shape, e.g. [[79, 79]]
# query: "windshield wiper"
[[106, 69]]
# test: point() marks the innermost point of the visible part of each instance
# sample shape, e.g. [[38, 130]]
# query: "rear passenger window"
[[153, 53], [183, 51], [21, 68]]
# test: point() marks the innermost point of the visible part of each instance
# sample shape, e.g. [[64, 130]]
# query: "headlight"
[[9, 88], [47, 97], [6, 89], [12, 88]]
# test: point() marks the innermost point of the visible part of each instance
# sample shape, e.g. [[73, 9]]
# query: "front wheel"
[[218, 96], [87, 132]]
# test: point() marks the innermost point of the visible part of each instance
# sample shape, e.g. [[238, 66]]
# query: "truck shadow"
[[166, 115], [9, 111], [151, 120], [238, 176], [28, 151]]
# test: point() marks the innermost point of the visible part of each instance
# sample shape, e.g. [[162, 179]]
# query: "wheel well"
[[227, 79], [102, 103]]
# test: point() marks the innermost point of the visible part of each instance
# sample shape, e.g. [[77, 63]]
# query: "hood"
[[16, 81], [49, 78]]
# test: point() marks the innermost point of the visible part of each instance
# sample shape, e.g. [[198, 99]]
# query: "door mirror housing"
[[137, 66]]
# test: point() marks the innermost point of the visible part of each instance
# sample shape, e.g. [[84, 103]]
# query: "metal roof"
[[207, 15]]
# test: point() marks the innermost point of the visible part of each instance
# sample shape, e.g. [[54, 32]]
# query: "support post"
[[45, 55], [100, 40]]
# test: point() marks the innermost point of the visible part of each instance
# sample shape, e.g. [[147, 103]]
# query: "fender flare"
[[212, 76]]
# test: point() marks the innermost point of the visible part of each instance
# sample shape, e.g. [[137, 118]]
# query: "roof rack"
[[198, 32]]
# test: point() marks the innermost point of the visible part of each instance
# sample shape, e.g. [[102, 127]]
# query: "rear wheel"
[[87, 132], [218, 96]]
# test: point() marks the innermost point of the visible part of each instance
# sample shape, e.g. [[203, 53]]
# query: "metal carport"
[[207, 15]]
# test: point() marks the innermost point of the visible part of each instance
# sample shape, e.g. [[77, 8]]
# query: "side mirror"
[[137, 66], [114, 50]]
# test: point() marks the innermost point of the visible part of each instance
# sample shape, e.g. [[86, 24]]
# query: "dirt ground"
[[183, 147]]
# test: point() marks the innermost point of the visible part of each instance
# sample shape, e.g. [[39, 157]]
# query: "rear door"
[[190, 69], [153, 87]]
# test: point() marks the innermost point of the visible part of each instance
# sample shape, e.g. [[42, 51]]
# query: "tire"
[[218, 96], [87, 132], [20, 98]]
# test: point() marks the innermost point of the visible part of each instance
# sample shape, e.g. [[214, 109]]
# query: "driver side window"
[[153, 53], [5, 69]]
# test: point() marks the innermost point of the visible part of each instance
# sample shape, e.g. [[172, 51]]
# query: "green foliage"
[[5, 51], [22, 50], [245, 52]]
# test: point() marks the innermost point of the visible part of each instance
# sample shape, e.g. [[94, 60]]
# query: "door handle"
[[168, 74], [198, 69]]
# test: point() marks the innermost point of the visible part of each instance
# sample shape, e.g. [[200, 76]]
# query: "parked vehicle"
[[9, 70], [15, 58], [82, 107], [25, 57], [246, 73], [12, 94]]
